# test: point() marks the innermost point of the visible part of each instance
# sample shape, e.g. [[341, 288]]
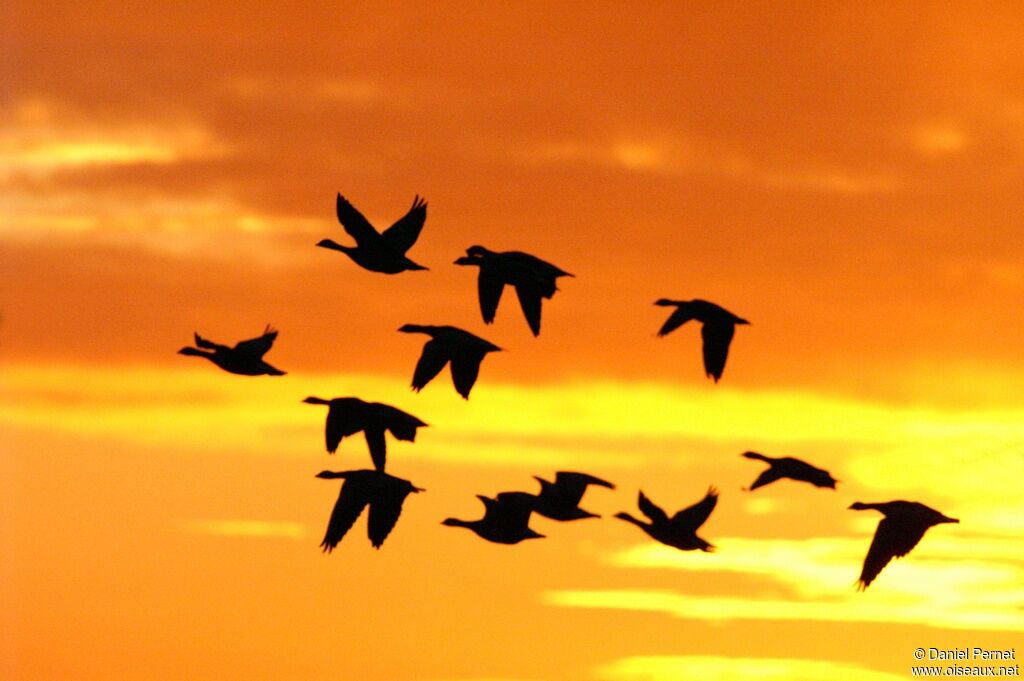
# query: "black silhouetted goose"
[[380, 251], [506, 519], [719, 325], [788, 467], [904, 524], [449, 344], [532, 278], [246, 358], [349, 415], [679, 531], [382, 492], [560, 500]]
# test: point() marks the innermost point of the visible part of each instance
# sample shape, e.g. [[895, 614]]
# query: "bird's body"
[[349, 415], [245, 358], [788, 467], [901, 529], [449, 345], [532, 278], [560, 500], [717, 331], [679, 531], [506, 519], [379, 251], [383, 493]]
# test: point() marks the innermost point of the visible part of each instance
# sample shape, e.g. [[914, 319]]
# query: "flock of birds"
[[507, 515]]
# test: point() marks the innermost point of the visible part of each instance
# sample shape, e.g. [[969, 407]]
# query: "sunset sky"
[[847, 179]]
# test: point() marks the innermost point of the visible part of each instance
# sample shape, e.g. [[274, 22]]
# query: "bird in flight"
[[506, 518], [719, 325], [788, 467], [246, 358], [383, 493], [560, 500], [449, 345], [380, 251], [904, 524], [679, 531], [532, 278], [349, 415]]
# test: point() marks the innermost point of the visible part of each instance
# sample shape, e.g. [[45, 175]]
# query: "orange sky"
[[847, 179]]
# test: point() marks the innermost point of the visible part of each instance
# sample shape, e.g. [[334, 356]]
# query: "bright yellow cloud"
[[673, 668], [246, 528], [964, 582]]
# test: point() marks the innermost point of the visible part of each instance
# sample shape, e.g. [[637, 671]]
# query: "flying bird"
[[788, 467], [719, 325], [349, 415], [380, 251], [679, 531], [904, 524], [532, 278], [449, 345], [383, 493], [506, 518], [246, 358], [560, 500]]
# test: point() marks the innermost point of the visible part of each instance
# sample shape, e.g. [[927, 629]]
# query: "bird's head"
[[331, 475], [664, 302]]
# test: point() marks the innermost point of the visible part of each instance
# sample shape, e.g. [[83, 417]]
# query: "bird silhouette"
[[679, 531], [532, 278], [560, 500], [380, 251], [246, 358], [382, 492], [719, 325], [349, 415], [904, 524], [506, 518], [788, 467], [448, 344]]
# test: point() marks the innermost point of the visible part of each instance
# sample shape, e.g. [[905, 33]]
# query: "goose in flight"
[[246, 358], [449, 345], [506, 518], [349, 415], [904, 524], [380, 251], [383, 493], [679, 531], [718, 327], [788, 467], [532, 278], [560, 500]]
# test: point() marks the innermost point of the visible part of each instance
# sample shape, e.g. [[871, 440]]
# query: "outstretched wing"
[[385, 510], [403, 234], [465, 369], [430, 364], [717, 337], [257, 347], [489, 287], [893, 539], [354, 223], [341, 421], [351, 501], [767, 476], [571, 485], [695, 516], [511, 509], [651, 510], [378, 446], [682, 314], [530, 301]]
